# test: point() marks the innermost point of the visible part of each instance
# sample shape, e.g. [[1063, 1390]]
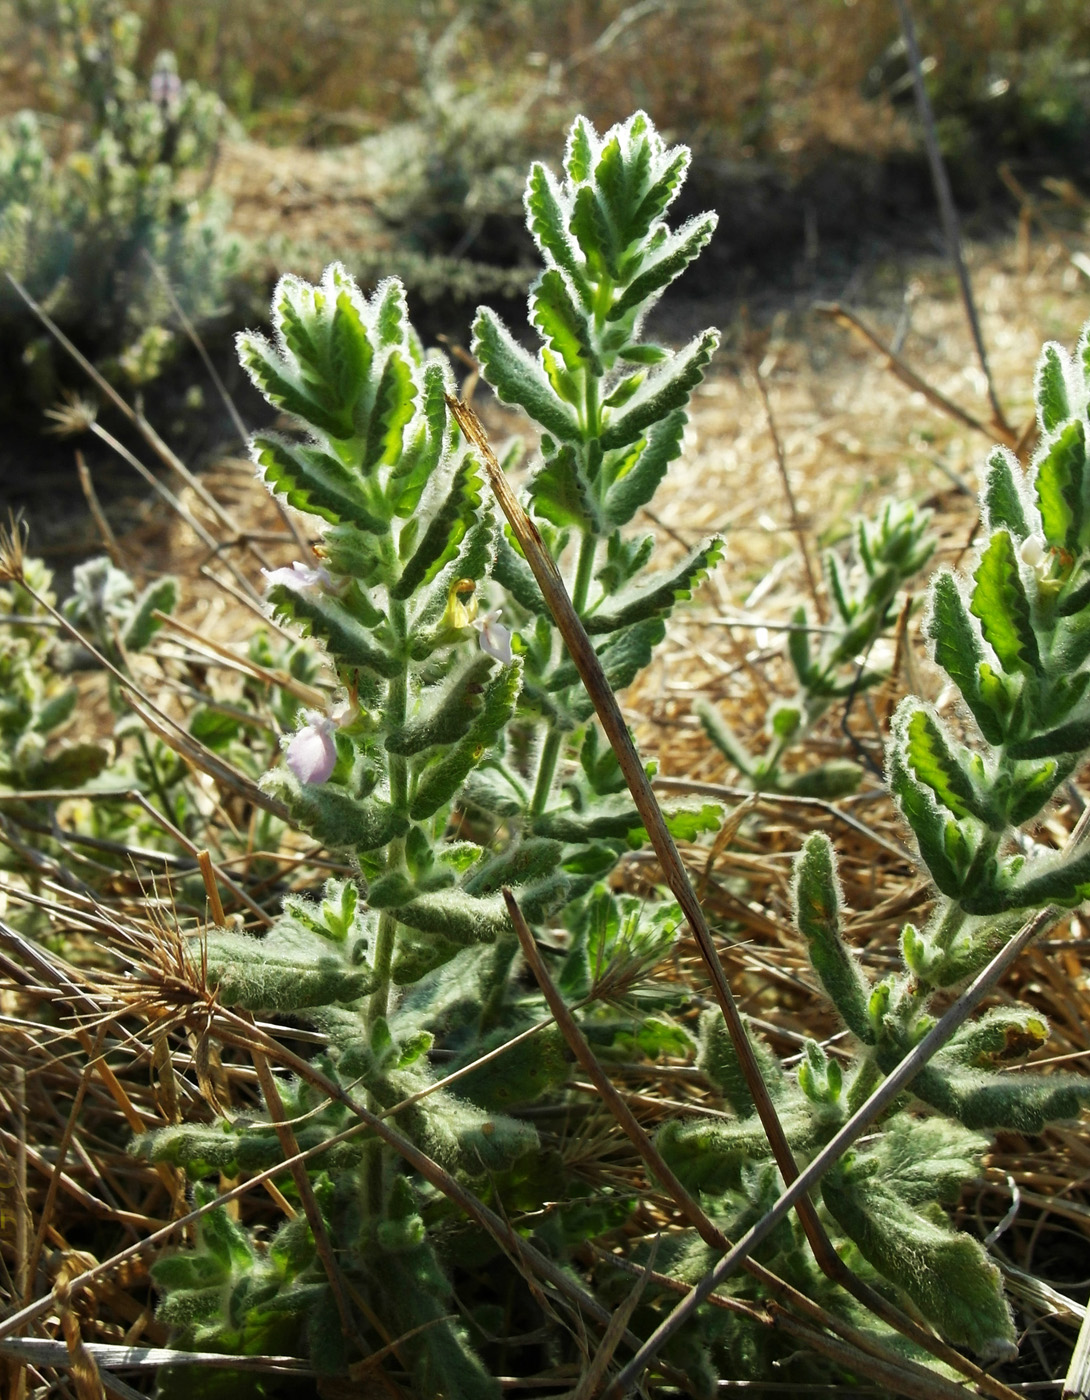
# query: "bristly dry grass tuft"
[[13, 543]]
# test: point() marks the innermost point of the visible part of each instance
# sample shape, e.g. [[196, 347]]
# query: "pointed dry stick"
[[221, 388], [947, 207], [781, 461], [912, 380], [586, 660], [151, 437]]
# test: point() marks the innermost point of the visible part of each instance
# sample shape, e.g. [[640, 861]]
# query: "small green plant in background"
[[889, 550], [81, 229]]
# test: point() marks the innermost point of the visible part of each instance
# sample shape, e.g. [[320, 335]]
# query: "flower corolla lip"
[[495, 639], [1034, 552], [301, 578], [312, 752]]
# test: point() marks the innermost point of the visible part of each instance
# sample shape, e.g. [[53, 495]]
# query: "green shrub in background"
[[87, 204]]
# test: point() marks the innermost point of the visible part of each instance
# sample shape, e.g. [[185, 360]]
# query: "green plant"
[[890, 550], [462, 760], [81, 228]]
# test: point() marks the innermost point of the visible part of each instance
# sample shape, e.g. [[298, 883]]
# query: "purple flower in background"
[[312, 752], [165, 87], [495, 639]]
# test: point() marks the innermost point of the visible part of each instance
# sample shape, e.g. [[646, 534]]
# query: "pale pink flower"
[[301, 578], [312, 753], [495, 639]]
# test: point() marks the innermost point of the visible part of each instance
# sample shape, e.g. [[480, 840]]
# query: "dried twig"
[[908, 376], [947, 208]]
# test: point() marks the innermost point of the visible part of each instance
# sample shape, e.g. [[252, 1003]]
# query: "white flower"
[[301, 578], [1034, 553], [312, 752], [495, 639]]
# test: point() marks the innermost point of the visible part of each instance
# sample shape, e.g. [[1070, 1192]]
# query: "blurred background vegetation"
[[209, 145]]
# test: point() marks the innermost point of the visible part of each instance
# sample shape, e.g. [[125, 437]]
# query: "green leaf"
[[70, 767], [927, 823], [563, 325], [288, 969], [548, 225], [423, 455], [1001, 497], [934, 764], [1022, 1102], [212, 728], [687, 823], [446, 712], [623, 656], [350, 351], [521, 862], [514, 575], [1072, 737], [334, 817], [561, 495], [658, 595], [391, 413], [1065, 881], [718, 1059], [518, 378], [837, 778], [456, 916], [1059, 481], [56, 710], [667, 387], [666, 180], [999, 601], [522, 1075], [1034, 785], [445, 531], [946, 1274], [272, 377], [579, 155], [591, 230], [725, 739], [391, 315], [441, 780], [1050, 389], [959, 653], [313, 481], [670, 260], [321, 615], [142, 625], [817, 914], [709, 1154], [613, 815]]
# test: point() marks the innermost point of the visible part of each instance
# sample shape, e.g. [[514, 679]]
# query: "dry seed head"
[[13, 542], [73, 415]]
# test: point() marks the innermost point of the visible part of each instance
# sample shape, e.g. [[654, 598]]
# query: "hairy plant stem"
[[546, 770], [554, 740]]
